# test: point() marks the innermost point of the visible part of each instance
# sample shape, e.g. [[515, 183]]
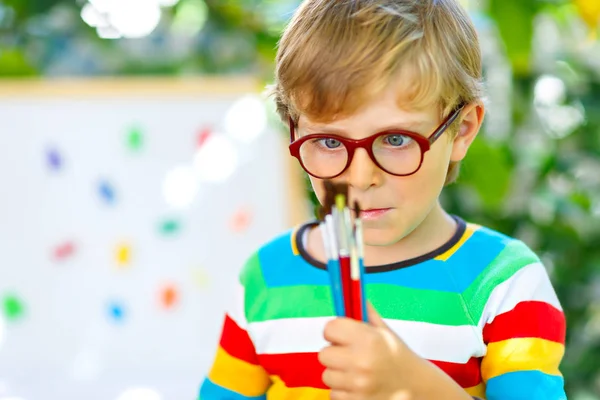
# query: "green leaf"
[[487, 169], [514, 19]]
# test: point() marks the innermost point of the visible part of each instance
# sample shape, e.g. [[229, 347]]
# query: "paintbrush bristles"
[[332, 192], [321, 213], [329, 196], [357, 209]]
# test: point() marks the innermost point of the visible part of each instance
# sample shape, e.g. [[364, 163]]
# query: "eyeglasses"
[[397, 152]]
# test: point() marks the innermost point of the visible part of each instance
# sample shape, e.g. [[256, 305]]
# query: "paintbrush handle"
[[346, 284]]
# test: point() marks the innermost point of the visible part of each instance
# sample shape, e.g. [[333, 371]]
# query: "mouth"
[[373, 213]]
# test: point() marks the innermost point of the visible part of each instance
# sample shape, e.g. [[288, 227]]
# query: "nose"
[[363, 173]]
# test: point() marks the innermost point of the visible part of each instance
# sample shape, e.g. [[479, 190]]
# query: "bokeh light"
[[134, 19], [246, 119], [180, 187], [190, 17], [140, 394], [216, 160]]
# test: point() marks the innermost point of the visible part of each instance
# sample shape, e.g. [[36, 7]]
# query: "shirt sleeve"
[[524, 333], [236, 373]]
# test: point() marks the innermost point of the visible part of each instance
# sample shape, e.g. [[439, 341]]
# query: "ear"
[[471, 119]]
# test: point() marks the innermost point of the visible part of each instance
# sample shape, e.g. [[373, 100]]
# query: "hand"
[[367, 361]]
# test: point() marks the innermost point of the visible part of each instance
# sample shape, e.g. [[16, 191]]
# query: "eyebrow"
[[414, 127]]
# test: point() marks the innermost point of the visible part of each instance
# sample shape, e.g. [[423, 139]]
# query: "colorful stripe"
[[488, 297], [530, 283], [521, 355], [471, 228], [298, 370], [526, 385], [390, 301], [529, 319], [467, 375], [279, 390], [295, 370], [502, 269], [477, 391], [236, 306], [293, 243], [305, 335], [281, 269], [238, 376], [236, 342], [212, 391]]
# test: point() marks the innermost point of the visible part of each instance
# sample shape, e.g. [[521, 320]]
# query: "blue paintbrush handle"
[[337, 294], [363, 297]]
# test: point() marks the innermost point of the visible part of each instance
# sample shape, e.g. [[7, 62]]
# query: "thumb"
[[374, 317]]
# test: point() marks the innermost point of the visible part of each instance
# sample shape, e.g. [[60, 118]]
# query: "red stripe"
[[529, 319], [304, 370], [466, 375], [236, 342], [295, 369]]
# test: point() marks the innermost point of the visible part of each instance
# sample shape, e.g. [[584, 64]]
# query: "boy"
[[457, 311]]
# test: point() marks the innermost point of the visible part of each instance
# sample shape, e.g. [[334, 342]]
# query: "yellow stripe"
[[279, 391], [238, 375], [522, 354], [471, 228], [293, 239], [477, 391]]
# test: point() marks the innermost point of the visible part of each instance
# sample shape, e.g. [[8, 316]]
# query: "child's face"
[[401, 203]]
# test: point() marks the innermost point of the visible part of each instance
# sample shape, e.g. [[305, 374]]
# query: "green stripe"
[[307, 301], [437, 307], [255, 289], [515, 256]]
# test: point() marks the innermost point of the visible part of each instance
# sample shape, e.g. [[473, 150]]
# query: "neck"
[[433, 232]]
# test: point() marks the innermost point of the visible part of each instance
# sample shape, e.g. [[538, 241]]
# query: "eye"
[[397, 140], [329, 143]]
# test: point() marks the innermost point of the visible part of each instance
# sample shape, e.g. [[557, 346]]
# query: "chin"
[[382, 236]]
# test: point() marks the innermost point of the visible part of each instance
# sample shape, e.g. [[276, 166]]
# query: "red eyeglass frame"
[[351, 145]]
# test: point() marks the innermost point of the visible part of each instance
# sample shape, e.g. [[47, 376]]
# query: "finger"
[[336, 357], [340, 395], [374, 317], [337, 380], [344, 331]]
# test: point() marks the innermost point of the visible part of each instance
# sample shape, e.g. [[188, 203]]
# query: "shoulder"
[[510, 272], [505, 255]]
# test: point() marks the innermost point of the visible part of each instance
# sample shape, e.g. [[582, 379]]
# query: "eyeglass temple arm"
[[292, 125], [446, 124]]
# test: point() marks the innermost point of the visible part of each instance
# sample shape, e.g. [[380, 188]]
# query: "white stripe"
[[530, 283], [431, 341], [236, 306]]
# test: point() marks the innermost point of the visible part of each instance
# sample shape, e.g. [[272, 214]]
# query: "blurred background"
[[132, 136]]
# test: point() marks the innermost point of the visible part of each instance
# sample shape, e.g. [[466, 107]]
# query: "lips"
[[374, 213]]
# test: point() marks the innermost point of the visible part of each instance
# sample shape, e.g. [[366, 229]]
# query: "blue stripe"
[[280, 267], [212, 391], [526, 385]]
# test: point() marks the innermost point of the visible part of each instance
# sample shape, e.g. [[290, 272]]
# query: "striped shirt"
[[481, 308]]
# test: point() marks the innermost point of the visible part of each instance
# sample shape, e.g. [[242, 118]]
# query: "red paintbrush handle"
[[346, 285], [357, 310]]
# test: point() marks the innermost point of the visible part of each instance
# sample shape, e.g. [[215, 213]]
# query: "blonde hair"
[[336, 55]]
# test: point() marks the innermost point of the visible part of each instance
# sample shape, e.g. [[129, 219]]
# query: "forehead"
[[389, 109]]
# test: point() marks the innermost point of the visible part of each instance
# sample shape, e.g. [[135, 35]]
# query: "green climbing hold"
[[170, 227], [135, 139], [13, 307]]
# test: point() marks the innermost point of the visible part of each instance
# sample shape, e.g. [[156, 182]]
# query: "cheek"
[[317, 185], [435, 165], [428, 182]]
